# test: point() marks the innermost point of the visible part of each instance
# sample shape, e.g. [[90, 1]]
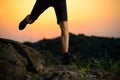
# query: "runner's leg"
[[64, 36], [39, 7], [61, 13]]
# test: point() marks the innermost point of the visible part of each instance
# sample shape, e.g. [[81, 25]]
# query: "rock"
[[20, 62], [17, 60]]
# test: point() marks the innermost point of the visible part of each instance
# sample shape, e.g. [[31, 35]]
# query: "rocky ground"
[[21, 62]]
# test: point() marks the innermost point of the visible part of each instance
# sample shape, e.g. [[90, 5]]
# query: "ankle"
[[66, 52], [28, 20]]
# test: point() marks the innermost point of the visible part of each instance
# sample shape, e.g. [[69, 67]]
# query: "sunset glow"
[[89, 17]]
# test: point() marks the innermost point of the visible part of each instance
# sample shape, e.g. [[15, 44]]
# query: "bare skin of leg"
[[64, 36]]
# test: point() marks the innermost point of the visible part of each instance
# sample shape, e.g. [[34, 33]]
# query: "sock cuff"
[[28, 20]]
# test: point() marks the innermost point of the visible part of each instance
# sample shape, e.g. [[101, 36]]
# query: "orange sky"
[[89, 17]]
